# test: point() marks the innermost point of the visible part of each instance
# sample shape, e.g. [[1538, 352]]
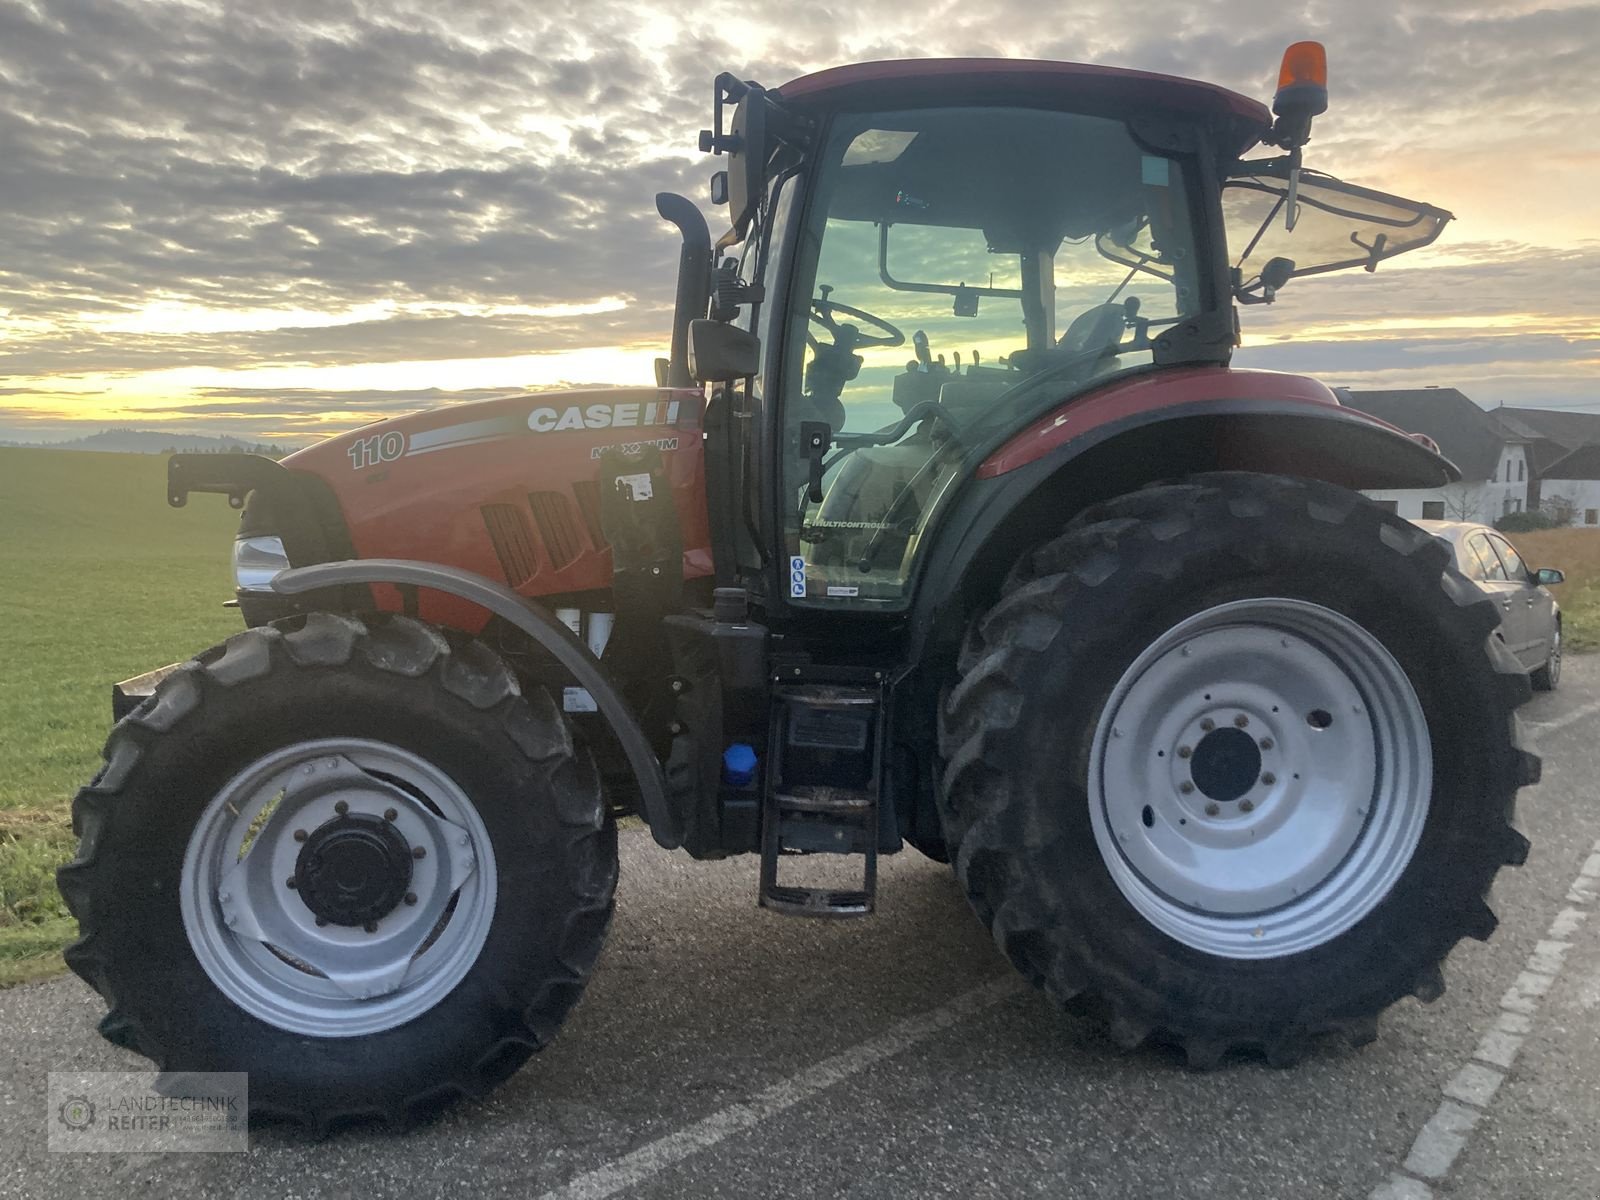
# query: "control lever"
[[919, 342], [816, 437]]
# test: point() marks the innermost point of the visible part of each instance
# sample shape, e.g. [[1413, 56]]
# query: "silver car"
[[1530, 618]]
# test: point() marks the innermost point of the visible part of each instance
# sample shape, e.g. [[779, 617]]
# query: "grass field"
[[100, 580]]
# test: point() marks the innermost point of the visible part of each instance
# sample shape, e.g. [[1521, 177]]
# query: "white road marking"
[[1441, 1139], [1540, 728], [1472, 1089], [1474, 1084], [1402, 1187], [666, 1151]]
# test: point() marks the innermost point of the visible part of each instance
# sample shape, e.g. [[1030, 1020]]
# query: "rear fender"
[[539, 625], [1140, 433]]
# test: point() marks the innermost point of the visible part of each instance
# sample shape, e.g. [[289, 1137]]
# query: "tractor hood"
[[601, 416], [510, 488]]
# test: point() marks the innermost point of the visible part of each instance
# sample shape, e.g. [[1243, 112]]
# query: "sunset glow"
[[458, 200]]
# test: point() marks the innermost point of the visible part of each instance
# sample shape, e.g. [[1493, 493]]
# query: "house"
[[1492, 456], [1563, 451]]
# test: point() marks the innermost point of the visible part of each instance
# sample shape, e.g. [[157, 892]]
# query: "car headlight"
[[256, 560]]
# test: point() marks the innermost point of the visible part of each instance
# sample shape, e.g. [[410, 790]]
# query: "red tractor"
[[946, 523]]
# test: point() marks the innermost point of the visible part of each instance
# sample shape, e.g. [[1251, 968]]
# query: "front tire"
[[1233, 761], [347, 857]]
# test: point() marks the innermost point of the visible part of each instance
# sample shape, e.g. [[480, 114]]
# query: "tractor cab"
[[933, 255]]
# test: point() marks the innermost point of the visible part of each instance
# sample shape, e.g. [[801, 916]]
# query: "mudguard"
[[538, 624], [1147, 427]]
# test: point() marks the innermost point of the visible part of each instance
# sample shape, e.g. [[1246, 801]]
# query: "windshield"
[[960, 271]]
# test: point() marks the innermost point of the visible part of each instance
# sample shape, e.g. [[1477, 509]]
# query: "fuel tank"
[[510, 488]]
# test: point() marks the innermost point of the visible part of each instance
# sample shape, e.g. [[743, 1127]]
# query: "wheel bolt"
[[290, 883], [1266, 743], [1247, 806], [1186, 787], [1184, 751], [1207, 725], [1269, 779], [371, 927], [1241, 720], [389, 814], [411, 897], [419, 852], [1212, 810], [341, 808], [300, 835]]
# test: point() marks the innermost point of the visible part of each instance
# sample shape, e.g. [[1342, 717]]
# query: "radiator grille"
[[552, 513], [588, 493], [509, 534]]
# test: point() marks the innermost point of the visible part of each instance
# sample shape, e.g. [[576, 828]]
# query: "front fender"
[[538, 624]]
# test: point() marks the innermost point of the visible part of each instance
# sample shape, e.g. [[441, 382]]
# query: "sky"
[[279, 221]]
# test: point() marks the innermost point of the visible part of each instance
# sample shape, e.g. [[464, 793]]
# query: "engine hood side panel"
[[509, 488]]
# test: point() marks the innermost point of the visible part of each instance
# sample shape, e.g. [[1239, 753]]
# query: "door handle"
[[1530, 601], [1506, 604]]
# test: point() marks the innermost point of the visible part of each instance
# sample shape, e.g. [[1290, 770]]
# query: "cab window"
[[959, 272]]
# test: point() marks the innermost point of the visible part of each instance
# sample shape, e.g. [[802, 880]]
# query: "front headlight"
[[256, 560]]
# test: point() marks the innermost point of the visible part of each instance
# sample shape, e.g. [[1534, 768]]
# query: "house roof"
[[1556, 437], [1467, 435]]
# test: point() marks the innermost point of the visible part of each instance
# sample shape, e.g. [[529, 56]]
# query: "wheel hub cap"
[[1226, 764], [1259, 778], [354, 869]]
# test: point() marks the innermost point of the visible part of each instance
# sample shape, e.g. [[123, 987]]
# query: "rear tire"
[[467, 811], [1051, 677]]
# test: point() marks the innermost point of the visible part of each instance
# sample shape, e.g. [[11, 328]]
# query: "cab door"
[[1487, 568]]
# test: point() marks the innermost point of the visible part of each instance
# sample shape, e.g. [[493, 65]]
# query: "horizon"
[[279, 226]]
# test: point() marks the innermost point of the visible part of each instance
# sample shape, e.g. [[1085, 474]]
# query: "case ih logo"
[[603, 416]]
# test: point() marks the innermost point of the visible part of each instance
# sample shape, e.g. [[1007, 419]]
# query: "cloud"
[[454, 162]]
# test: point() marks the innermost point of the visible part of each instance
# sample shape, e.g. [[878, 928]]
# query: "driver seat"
[[1100, 326]]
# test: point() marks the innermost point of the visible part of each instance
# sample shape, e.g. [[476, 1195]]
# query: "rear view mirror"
[[1549, 577], [721, 353], [745, 144]]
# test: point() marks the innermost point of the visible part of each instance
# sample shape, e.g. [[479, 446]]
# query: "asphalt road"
[[724, 1051]]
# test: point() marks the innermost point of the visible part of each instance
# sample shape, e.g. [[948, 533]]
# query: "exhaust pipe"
[[694, 279]]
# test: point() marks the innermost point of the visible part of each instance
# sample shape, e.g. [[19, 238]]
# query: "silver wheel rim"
[[1259, 778], [259, 940], [1554, 669]]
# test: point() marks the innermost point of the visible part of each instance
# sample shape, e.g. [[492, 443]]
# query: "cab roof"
[[912, 82]]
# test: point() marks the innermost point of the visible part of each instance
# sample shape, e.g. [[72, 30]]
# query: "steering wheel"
[[825, 312]]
